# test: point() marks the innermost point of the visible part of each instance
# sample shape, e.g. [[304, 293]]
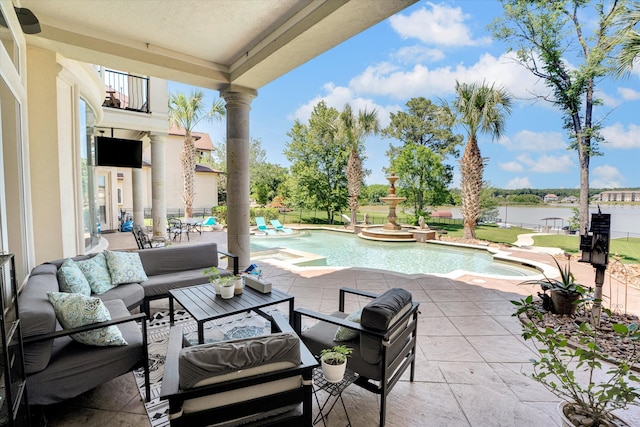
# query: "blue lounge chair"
[[279, 227], [209, 222], [262, 226]]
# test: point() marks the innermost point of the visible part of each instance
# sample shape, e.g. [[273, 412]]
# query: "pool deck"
[[470, 357]]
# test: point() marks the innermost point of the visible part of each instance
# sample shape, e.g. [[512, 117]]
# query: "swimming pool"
[[340, 249]]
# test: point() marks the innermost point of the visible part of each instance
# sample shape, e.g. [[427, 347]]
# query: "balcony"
[[125, 91]]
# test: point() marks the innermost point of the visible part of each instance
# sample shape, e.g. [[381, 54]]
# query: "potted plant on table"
[[334, 362], [223, 285], [572, 368], [563, 294]]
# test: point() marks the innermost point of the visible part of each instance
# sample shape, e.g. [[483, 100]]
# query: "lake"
[[625, 219]]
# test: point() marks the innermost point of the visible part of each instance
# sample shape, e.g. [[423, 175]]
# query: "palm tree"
[[186, 113], [354, 130], [629, 39], [478, 109]]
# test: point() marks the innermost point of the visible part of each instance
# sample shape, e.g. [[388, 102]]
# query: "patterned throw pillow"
[[74, 310], [125, 267], [346, 334], [71, 279], [97, 273]]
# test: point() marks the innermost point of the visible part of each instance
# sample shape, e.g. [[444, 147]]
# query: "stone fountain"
[[391, 231]]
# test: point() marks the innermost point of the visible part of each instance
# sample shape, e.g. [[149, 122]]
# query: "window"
[[91, 220]]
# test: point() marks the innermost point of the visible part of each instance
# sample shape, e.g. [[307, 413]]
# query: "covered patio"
[[470, 359]]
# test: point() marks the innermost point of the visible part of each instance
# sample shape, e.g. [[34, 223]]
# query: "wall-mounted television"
[[118, 152]]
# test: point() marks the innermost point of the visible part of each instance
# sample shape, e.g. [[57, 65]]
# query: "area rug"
[[242, 325]]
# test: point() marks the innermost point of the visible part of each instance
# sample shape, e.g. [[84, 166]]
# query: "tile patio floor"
[[470, 355]]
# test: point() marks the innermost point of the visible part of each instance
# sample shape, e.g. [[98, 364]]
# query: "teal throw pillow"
[[71, 279], [74, 310], [125, 267], [97, 273], [346, 334]]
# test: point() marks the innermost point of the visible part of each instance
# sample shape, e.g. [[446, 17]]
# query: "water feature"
[[343, 249]]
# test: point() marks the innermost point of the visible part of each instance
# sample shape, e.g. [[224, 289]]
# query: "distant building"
[[618, 196], [570, 199], [550, 198]]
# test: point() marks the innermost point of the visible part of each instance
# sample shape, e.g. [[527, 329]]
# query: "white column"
[[238, 105], [138, 202], [158, 186]]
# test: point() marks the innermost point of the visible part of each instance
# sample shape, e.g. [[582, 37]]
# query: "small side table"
[[335, 390]]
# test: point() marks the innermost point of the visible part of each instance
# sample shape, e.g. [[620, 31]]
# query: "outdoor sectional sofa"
[[58, 367]]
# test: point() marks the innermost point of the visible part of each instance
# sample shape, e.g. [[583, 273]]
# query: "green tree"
[[186, 113], [423, 126], [478, 109], [544, 34], [423, 177], [488, 203], [318, 159], [371, 193], [629, 39], [354, 129]]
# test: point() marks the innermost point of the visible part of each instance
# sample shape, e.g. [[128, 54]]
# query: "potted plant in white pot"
[[334, 362], [223, 285], [573, 368], [564, 294]]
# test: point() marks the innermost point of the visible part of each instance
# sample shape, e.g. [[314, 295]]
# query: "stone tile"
[[429, 309], [459, 308], [484, 405], [477, 325], [500, 307], [124, 419], [439, 295], [435, 326], [501, 348], [524, 387], [306, 292], [448, 349], [469, 373]]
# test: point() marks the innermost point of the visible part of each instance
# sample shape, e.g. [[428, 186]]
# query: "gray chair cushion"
[[378, 313], [132, 294], [208, 360]]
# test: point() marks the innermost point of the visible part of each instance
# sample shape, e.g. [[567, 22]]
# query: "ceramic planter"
[[333, 373], [566, 422], [564, 303], [227, 292]]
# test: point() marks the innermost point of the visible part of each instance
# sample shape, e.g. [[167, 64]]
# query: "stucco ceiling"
[[208, 43]]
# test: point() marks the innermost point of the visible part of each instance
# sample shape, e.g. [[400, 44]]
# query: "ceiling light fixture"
[[28, 21]]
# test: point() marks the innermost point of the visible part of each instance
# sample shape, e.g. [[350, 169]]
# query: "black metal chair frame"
[[177, 228], [392, 367], [171, 390], [143, 241]]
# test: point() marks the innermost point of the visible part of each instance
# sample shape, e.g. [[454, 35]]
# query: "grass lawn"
[[628, 249]]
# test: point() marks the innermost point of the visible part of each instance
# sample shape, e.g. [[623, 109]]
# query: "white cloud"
[[518, 183], [511, 166], [547, 163], [617, 136], [628, 94], [527, 140], [390, 80], [337, 97], [417, 54], [440, 25], [606, 176]]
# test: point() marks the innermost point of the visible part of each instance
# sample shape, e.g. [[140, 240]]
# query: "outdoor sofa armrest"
[[234, 258], [66, 332]]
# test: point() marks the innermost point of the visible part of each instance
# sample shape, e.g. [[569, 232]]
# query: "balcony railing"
[[126, 91]]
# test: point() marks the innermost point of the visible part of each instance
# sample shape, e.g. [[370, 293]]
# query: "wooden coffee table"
[[202, 303]]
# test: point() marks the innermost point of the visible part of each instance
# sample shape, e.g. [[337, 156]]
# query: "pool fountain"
[[391, 231]]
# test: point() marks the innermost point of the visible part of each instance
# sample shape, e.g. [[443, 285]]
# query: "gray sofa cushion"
[[161, 284], [37, 316], [208, 360], [166, 260], [75, 368], [132, 294]]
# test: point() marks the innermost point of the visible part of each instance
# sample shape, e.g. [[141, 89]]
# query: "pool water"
[[346, 250]]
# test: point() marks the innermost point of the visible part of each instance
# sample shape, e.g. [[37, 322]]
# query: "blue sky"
[[422, 51]]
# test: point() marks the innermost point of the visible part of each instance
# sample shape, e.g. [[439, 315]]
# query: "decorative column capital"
[[238, 94]]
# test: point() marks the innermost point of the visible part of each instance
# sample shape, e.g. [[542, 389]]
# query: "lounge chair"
[[279, 227], [346, 219], [262, 226], [209, 222]]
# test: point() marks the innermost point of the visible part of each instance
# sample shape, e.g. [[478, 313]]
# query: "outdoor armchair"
[[384, 345], [264, 380]]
